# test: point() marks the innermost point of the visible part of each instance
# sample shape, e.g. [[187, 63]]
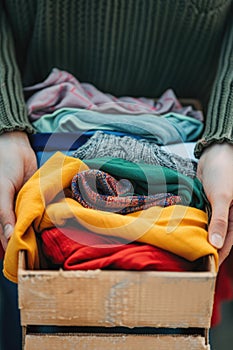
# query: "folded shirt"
[[166, 129], [74, 248]]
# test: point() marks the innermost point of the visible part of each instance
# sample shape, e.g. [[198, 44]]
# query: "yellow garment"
[[42, 204]]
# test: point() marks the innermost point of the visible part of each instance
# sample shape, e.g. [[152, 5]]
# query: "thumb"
[[7, 216], [219, 222]]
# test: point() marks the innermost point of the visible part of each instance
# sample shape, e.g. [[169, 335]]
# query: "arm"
[[13, 112], [215, 168], [17, 159], [219, 119]]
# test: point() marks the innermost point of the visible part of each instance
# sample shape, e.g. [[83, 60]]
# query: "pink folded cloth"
[[62, 90]]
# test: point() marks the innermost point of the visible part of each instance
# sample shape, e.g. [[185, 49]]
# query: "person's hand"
[[17, 164], [215, 170]]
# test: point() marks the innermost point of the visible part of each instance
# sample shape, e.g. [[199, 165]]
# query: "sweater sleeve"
[[13, 112], [219, 119]]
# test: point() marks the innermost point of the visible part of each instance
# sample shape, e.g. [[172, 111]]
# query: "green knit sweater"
[[125, 47]]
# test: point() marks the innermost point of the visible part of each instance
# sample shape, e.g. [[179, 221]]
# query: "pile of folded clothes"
[[116, 186]]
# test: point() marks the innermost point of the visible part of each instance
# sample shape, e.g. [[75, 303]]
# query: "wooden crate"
[[113, 342], [129, 299]]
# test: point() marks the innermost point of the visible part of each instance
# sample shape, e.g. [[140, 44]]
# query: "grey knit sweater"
[[125, 47]]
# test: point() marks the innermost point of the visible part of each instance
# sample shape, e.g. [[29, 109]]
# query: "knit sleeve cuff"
[[219, 119], [205, 142], [13, 111]]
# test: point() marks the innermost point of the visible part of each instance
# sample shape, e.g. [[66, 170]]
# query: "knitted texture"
[[219, 122], [134, 48], [13, 112], [98, 190], [137, 151]]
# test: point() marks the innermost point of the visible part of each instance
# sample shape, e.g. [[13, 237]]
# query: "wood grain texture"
[[121, 342], [116, 298]]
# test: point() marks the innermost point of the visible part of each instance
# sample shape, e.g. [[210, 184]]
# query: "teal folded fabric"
[[163, 130], [151, 179]]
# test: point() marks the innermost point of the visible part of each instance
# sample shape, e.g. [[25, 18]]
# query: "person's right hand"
[[17, 165], [215, 169]]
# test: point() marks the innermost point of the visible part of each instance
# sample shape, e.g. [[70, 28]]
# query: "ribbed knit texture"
[[125, 47], [219, 120], [13, 112]]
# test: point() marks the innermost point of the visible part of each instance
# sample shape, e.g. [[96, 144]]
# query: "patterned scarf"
[[98, 190]]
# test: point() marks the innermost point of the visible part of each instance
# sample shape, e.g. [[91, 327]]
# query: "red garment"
[[1, 251], [78, 249]]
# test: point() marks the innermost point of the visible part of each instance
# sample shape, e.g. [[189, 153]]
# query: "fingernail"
[[217, 240], [8, 228]]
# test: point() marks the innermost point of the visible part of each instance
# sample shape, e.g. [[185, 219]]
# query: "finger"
[[219, 221], [224, 252], [5, 234], [7, 216], [3, 239]]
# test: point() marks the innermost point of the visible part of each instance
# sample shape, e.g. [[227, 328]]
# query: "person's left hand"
[[215, 171], [17, 165]]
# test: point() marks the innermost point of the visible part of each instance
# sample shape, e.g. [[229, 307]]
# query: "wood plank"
[[113, 342], [116, 298]]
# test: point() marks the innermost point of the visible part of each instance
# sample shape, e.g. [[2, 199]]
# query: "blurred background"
[[221, 337]]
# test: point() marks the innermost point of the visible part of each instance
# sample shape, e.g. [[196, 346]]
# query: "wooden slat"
[[116, 298], [113, 342]]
